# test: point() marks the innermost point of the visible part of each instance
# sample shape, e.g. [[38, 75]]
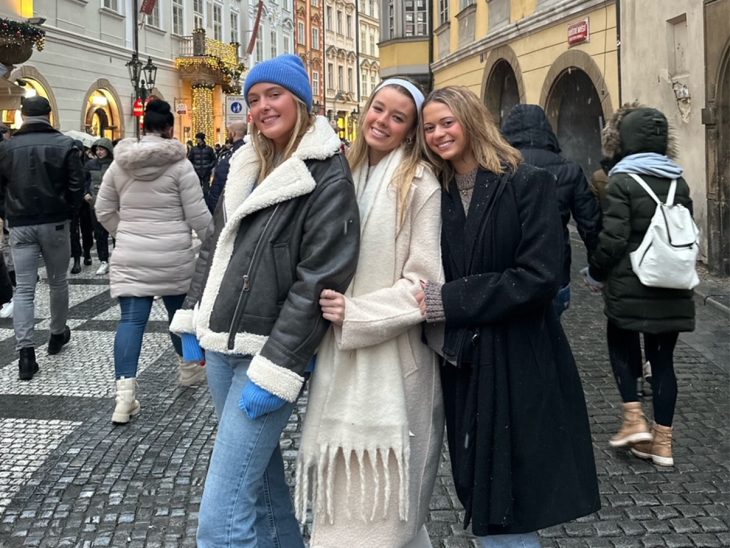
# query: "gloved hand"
[[594, 285], [191, 348], [257, 402]]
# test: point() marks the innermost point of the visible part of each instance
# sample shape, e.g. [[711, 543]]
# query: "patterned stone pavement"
[[68, 477]]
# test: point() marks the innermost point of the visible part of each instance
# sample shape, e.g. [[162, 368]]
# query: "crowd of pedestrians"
[[414, 280]]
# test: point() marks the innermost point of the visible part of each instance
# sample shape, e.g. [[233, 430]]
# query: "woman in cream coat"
[[373, 431]]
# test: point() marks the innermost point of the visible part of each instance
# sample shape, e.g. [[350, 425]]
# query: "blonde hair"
[[487, 145], [264, 146], [412, 150]]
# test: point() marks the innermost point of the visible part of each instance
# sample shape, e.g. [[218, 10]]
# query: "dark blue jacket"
[[220, 176], [528, 129]]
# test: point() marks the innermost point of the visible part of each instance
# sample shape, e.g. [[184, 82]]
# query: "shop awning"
[[10, 95]]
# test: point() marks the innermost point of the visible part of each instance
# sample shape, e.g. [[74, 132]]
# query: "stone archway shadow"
[[502, 54]]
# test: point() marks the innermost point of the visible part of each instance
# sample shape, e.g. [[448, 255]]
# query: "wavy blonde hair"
[[489, 148], [412, 149], [264, 146]]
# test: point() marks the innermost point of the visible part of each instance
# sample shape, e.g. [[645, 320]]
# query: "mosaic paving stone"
[[24, 446], [85, 367]]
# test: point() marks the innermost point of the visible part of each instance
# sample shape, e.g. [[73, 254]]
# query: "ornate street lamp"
[[143, 80], [150, 72]]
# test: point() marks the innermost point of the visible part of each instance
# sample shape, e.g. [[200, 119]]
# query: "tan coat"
[[369, 320], [149, 200]]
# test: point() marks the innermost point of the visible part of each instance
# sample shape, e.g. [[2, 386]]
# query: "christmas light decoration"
[[203, 115], [19, 33]]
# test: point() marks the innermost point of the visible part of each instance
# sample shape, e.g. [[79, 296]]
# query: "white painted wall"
[[659, 54]]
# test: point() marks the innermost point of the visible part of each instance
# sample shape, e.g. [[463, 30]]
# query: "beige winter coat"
[[369, 320], [149, 200]]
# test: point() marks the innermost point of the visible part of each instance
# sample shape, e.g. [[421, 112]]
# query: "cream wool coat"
[[369, 320], [149, 200]]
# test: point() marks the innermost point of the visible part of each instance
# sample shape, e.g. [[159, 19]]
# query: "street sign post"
[[235, 109]]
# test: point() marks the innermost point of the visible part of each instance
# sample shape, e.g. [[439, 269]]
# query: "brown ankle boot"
[[634, 429], [659, 450]]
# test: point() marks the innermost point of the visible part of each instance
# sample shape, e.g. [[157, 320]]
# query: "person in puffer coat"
[[638, 138], [149, 201], [94, 170], [527, 129]]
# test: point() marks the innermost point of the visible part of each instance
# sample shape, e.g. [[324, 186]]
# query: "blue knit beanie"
[[287, 71]]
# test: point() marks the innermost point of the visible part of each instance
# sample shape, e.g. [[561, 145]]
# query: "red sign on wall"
[[138, 109], [147, 7], [579, 32]]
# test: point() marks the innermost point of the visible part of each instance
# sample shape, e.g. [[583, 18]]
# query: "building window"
[[198, 14], [340, 78], [315, 38], [391, 19], [178, 17], [443, 11], [301, 34], [111, 4], [349, 26], [328, 18], [339, 22], [330, 76], [372, 45], [234, 27], [287, 44], [466, 3], [415, 17], [153, 19], [217, 21], [315, 83], [499, 13], [364, 80], [259, 50], [373, 81], [350, 84], [272, 37]]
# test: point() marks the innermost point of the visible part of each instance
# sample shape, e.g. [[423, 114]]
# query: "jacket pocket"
[[283, 267]]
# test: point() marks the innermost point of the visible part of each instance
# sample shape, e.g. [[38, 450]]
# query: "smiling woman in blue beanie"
[[287, 229]]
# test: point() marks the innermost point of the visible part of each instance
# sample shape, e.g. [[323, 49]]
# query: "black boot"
[[76, 268], [27, 366], [57, 341], [87, 258]]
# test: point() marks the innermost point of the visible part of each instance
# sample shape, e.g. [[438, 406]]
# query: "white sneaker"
[[7, 310], [103, 268]]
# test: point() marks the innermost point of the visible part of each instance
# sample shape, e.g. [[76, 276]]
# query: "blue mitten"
[[257, 402], [191, 348]]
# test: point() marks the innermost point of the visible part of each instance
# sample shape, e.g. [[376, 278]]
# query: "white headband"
[[418, 97]]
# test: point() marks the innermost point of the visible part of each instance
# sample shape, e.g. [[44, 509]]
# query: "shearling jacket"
[[41, 179], [149, 200], [276, 245]]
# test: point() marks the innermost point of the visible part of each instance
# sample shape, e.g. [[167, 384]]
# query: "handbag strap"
[[650, 192]]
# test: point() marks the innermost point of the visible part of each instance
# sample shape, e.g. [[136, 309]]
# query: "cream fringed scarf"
[[357, 407]]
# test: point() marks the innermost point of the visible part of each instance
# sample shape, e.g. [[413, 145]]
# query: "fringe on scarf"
[[316, 477]]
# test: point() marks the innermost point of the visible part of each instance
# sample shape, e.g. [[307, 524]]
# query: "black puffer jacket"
[[628, 303], [528, 129], [41, 178], [274, 249], [203, 159]]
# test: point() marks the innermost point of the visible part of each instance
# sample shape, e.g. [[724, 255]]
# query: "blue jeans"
[[128, 341], [561, 302], [246, 501], [521, 540]]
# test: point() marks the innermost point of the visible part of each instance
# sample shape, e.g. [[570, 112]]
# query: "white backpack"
[[668, 252]]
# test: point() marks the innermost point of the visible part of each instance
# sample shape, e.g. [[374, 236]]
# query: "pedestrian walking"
[[203, 159], [6, 310], [237, 131], [286, 229], [516, 418], [527, 128], [149, 200], [640, 139], [374, 411], [95, 169], [82, 235], [42, 184]]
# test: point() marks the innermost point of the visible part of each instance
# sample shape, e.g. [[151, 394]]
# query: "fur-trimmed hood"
[[147, 158], [636, 128]]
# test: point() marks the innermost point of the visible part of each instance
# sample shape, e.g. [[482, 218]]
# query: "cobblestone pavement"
[[68, 477]]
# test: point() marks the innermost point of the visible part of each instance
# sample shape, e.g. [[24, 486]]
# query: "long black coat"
[[516, 417]]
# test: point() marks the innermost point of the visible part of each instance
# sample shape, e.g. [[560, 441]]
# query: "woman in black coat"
[[516, 417], [638, 141]]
